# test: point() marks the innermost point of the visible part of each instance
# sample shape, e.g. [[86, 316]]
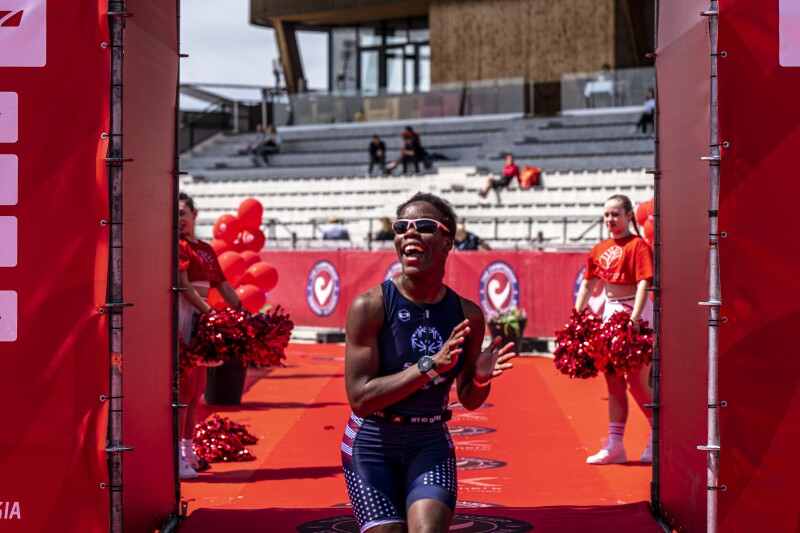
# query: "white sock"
[[187, 447], [616, 430]]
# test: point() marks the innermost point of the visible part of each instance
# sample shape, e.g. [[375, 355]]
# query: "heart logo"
[[323, 290], [499, 293], [610, 257]]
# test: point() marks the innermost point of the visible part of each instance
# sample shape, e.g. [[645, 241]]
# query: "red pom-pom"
[[623, 350], [221, 440], [574, 353], [222, 336], [187, 359], [269, 334]]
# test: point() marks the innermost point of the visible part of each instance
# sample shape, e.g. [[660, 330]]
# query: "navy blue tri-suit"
[[404, 453]]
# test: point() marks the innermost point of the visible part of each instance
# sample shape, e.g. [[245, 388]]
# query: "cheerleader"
[[199, 271], [625, 264]]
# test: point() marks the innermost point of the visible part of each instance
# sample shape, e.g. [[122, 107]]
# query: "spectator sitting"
[[648, 112], [258, 138], [466, 240], [385, 233], [335, 230], [377, 154], [270, 145], [412, 152], [510, 171]]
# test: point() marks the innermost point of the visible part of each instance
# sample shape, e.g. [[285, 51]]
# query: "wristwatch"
[[425, 365]]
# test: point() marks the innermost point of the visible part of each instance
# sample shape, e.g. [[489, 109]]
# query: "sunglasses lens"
[[425, 226], [400, 227]]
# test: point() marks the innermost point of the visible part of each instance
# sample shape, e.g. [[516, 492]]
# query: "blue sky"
[[224, 48]]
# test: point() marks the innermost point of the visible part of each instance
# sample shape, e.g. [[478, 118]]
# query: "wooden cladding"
[[533, 39]]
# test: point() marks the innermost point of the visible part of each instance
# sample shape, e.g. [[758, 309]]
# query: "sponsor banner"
[[317, 287], [759, 371], [54, 109]]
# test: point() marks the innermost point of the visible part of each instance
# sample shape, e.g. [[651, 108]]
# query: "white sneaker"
[[611, 454], [185, 471], [192, 460], [647, 454]]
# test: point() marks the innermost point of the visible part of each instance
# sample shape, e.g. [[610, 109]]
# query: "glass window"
[[396, 32], [369, 35], [343, 60], [370, 71], [424, 65], [394, 70]]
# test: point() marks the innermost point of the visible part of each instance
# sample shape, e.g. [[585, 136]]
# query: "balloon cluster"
[[586, 345], [238, 239], [221, 440], [645, 213]]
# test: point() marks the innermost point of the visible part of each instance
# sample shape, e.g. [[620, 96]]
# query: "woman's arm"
[[640, 302], [191, 293], [584, 293], [480, 367], [367, 392], [229, 295]]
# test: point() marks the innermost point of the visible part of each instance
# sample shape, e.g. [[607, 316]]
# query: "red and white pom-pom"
[[221, 440], [269, 334], [575, 345], [623, 350], [221, 336]]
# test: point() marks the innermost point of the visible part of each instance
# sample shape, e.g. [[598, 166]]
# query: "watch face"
[[425, 363]]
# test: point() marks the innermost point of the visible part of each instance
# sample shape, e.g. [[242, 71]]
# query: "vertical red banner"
[[150, 76], [54, 111], [759, 370]]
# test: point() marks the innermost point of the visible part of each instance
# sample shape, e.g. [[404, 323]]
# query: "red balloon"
[[252, 239], [216, 300], [250, 257], [233, 267], [219, 246], [641, 213], [252, 297], [651, 207], [227, 228], [649, 231], [250, 213], [262, 275]]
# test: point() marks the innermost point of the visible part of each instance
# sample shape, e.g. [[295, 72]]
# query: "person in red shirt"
[[199, 271], [510, 171], [625, 264]]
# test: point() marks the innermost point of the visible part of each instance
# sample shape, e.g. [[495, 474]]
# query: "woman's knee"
[[616, 384]]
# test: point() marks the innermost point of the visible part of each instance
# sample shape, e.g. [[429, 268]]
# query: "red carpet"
[[524, 451]]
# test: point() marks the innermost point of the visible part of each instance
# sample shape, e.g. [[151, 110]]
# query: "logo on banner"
[[498, 288], [788, 35], [465, 523], [9, 117], [597, 300], [393, 270], [322, 288], [23, 33]]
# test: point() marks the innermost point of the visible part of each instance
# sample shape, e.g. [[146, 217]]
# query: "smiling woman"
[[408, 340]]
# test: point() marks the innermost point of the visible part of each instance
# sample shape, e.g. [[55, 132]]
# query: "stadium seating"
[[322, 169]]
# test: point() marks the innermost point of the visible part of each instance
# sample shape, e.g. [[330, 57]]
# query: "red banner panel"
[[759, 372], [150, 75], [318, 287], [54, 109], [682, 70]]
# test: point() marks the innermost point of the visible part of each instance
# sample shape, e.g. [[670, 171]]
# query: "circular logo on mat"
[[393, 270], [468, 523], [498, 289], [597, 300], [468, 431], [322, 288], [475, 463]]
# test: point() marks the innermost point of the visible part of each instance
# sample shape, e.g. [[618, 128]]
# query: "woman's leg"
[[429, 516], [614, 451]]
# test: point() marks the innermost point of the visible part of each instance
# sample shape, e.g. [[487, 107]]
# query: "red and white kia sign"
[[23, 33]]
